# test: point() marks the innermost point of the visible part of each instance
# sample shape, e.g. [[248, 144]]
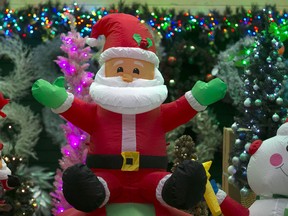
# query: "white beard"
[[139, 96]]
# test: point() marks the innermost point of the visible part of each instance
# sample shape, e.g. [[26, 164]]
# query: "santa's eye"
[[120, 69], [287, 148], [136, 71]]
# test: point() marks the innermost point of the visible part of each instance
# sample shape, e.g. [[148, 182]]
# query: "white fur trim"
[[66, 105], [221, 195], [193, 102], [160, 188], [128, 133], [4, 171], [129, 52], [107, 192], [92, 42]]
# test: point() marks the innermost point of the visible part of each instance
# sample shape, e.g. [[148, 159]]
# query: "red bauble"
[[172, 60], [209, 77]]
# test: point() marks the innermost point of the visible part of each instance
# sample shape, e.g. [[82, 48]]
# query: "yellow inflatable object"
[[209, 195]]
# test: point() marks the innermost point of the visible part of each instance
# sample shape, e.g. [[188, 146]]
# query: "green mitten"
[[286, 212], [50, 95], [208, 93]]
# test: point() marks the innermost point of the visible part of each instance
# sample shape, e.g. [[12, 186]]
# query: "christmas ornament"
[[247, 102], [172, 60], [275, 117], [235, 161], [244, 192], [231, 170], [258, 102], [209, 77], [279, 101]]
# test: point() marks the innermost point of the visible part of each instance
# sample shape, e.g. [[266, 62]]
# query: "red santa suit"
[[113, 134]]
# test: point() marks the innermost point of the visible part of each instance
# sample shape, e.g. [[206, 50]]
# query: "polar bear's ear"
[[283, 129], [255, 146]]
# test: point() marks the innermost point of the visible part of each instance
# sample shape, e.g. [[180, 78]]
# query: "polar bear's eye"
[[287, 148]]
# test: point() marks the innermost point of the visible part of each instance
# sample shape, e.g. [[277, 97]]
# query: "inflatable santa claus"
[[127, 122]]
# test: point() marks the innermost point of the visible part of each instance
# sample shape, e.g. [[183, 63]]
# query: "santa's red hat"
[[126, 37]]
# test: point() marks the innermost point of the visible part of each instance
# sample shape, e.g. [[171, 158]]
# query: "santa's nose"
[[127, 77]]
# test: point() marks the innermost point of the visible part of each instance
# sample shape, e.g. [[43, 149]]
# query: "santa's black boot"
[[186, 186], [82, 189]]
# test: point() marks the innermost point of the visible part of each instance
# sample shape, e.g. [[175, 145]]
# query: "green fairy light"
[[280, 31]]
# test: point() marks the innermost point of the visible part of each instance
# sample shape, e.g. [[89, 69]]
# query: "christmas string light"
[[52, 21]]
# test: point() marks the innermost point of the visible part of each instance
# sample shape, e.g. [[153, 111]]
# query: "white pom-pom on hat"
[[92, 42]]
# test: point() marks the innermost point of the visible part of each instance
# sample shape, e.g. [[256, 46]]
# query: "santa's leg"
[[85, 191], [149, 190], [149, 184], [185, 187]]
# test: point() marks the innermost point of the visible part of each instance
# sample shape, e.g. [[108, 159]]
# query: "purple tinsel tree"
[[78, 81]]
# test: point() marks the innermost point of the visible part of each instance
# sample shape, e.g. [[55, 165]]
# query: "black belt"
[[116, 161]]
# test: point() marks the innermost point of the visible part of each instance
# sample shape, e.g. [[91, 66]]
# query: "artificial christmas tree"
[[262, 110]]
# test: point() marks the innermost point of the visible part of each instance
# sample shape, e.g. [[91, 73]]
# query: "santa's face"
[[129, 69], [128, 86]]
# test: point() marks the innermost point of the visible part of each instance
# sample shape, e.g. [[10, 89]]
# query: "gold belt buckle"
[[130, 161]]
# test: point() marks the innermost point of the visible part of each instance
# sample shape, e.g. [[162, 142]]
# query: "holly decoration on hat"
[[142, 42]]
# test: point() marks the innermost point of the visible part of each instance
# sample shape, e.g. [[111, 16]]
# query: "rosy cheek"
[[276, 159]]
